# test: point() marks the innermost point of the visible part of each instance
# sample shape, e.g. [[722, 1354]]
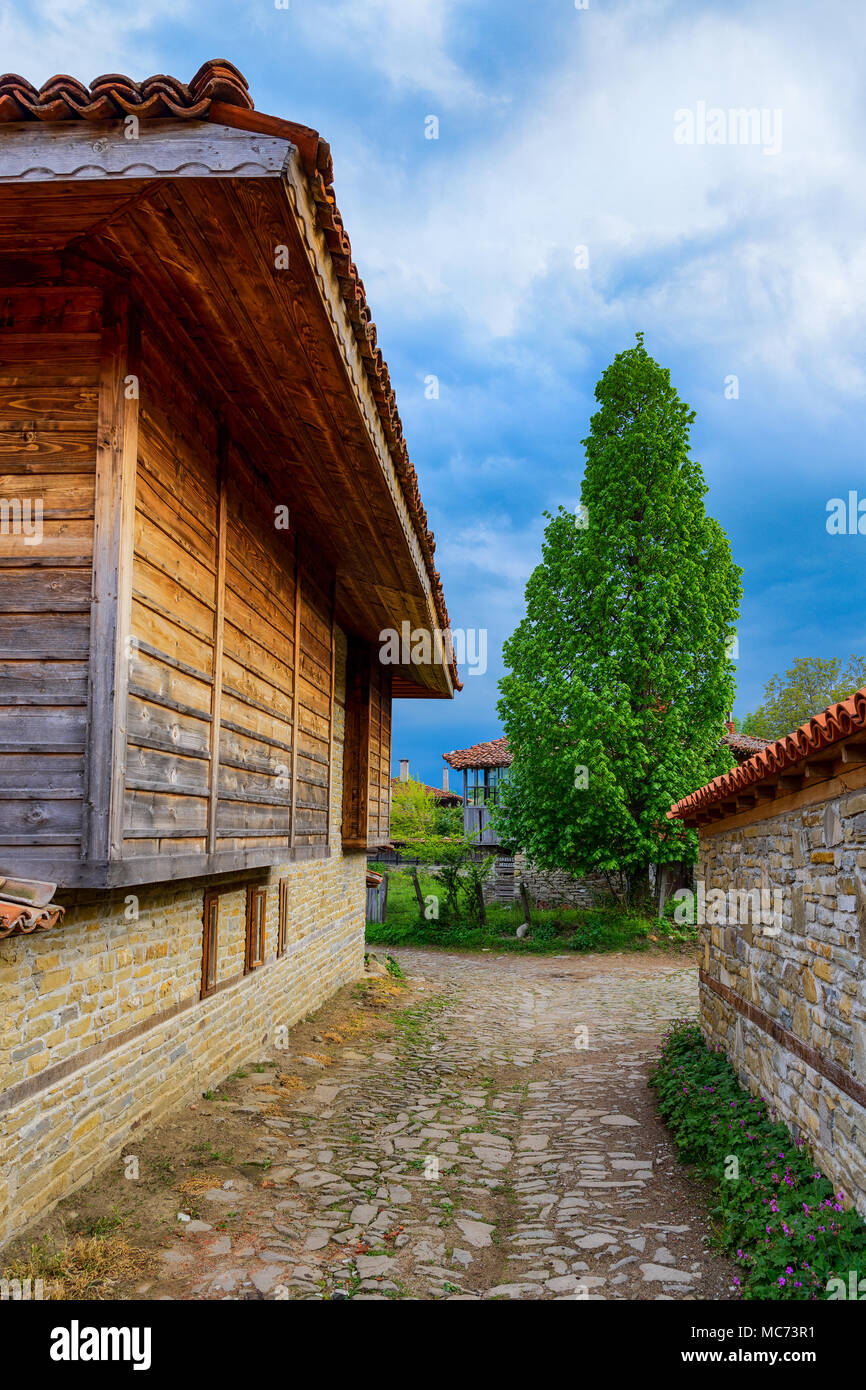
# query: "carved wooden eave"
[[73, 187], [86, 150]]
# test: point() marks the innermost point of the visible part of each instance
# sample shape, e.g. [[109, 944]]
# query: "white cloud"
[[758, 256], [408, 42], [84, 37]]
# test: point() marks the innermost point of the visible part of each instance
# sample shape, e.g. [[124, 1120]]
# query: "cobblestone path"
[[488, 1149]]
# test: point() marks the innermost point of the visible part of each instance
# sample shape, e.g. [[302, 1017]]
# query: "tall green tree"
[[807, 688], [619, 678]]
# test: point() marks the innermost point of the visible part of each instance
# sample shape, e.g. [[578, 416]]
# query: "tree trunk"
[[639, 890], [482, 910], [418, 894]]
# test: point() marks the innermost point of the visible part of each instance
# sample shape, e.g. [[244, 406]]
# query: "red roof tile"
[[832, 726], [18, 920], [114, 96], [219, 92], [494, 753]]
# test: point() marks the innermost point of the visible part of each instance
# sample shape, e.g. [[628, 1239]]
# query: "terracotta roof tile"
[[18, 920], [494, 753], [219, 92], [114, 96], [838, 722]]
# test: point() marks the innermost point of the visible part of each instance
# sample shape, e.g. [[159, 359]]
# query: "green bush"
[[779, 1217]]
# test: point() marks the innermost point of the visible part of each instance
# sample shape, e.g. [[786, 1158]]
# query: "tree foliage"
[[413, 811], [807, 688], [416, 813], [618, 678]]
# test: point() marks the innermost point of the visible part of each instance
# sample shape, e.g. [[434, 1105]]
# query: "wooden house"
[[484, 766], [207, 518]]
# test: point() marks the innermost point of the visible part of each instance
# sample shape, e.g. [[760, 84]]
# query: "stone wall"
[[102, 1029], [555, 887], [786, 997]]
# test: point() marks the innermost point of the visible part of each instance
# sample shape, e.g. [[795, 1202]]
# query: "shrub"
[[780, 1217]]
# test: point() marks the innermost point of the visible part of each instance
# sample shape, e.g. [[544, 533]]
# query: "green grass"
[[553, 930], [779, 1217]]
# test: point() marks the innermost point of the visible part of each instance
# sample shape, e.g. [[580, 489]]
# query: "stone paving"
[[501, 1145]]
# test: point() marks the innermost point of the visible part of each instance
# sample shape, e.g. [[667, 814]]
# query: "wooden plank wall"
[[379, 770], [49, 371], [171, 672], [367, 749], [315, 709], [254, 804], [220, 600], [214, 624]]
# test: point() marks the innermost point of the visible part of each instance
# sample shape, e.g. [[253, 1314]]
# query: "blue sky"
[[556, 130]]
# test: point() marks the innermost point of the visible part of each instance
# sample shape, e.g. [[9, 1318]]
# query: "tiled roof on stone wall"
[[804, 745]]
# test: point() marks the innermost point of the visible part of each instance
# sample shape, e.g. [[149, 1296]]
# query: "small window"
[[210, 943], [255, 954], [284, 917]]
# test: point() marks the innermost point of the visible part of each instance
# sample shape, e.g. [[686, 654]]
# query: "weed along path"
[[479, 1130]]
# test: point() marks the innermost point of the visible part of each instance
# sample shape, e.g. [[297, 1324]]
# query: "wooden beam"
[[817, 771], [814, 793], [789, 783], [218, 642], [850, 755], [111, 598]]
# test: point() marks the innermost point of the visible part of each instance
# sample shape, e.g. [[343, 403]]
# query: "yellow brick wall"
[[124, 961]]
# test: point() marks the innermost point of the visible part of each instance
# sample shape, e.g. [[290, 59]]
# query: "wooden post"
[[111, 602], [524, 898]]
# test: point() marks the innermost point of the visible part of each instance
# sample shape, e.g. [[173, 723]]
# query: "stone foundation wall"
[[786, 999], [102, 1028]]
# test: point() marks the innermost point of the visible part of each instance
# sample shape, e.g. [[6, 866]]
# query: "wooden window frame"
[[256, 943], [283, 926], [210, 943]]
